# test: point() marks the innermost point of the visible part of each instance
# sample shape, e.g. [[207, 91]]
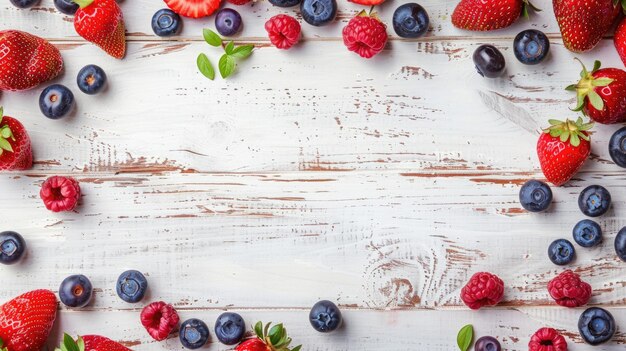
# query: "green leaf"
[[601, 82], [69, 343], [258, 329], [205, 67], [229, 47], [564, 135], [267, 327], [81, 343], [297, 348], [226, 65], [241, 52], [596, 66], [465, 337], [1, 115], [579, 121], [5, 145], [571, 87], [554, 122], [276, 333], [574, 140], [596, 100], [211, 37], [555, 132], [6, 134]]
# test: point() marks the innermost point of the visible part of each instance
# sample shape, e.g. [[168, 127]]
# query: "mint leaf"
[[229, 47], [211, 37], [465, 337], [226, 65], [241, 52], [205, 67]]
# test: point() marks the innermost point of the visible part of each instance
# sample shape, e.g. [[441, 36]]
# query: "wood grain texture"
[[310, 174]]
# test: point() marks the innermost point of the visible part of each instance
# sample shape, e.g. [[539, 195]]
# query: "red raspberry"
[[547, 339], [239, 2], [483, 289], [60, 193], [159, 319], [568, 290], [283, 30], [365, 35]]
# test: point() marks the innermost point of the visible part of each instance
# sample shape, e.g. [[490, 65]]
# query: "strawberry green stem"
[[586, 87], [5, 145], [83, 3], [571, 131]]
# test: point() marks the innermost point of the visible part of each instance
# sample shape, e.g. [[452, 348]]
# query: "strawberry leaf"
[[81, 343], [69, 343], [564, 136], [229, 48], [241, 52], [596, 100], [6, 134], [1, 115], [601, 82], [555, 132], [596, 66], [571, 87], [297, 348], [211, 37], [574, 140], [226, 65], [267, 327], [554, 122], [205, 67], [5, 145], [258, 329], [465, 337]]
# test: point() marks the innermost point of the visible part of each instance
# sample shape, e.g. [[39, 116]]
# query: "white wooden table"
[[310, 174]]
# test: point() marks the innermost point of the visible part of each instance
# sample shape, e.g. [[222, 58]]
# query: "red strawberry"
[[619, 39], [194, 8], [365, 34], [26, 60], [239, 2], [601, 94], [26, 321], [483, 15], [367, 2], [15, 151], [268, 339], [584, 22], [91, 343], [102, 23], [562, 149]]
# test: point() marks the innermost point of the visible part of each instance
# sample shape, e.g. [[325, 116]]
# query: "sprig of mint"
[[228, 61], [465, 337]]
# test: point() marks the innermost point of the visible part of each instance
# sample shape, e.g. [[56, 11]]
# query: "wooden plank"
[[414, 108], [46, 21], [364, 239], [363, 330]]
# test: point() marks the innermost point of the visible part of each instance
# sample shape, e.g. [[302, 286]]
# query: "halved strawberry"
[[193, 8]]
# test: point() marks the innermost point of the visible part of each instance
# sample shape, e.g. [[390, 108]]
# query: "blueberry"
[[531, 46], [535, 196], [594, 200], [596, 325], [318, 12], [487, 343], [24, 3], [12, 247], [325, 316], [91, 79], [194, 333], [561, 252], [410, 20], [587, 233], [620, 244], [228, 22], [489, 61], [166, 22], [285, 3], [67, 7], [617, 147], [75, 291], [131, 286], [56, 101], [230, 328]]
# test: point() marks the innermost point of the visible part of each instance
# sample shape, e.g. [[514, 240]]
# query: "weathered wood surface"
[[380, 184]]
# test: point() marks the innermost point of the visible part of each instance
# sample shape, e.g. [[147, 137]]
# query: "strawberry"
[[584, 22], [26, 60], [194, 8], [367, 2], [15, 150], [563, 148], [274, 339], [601, 94], [102, 23], [90, 343], [619, 39], [484, 15], [26, 321]]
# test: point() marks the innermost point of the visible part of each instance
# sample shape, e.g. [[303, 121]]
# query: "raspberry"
[[483, 289], [159, 319], [365, 35], [568, 290], [239, 2], [547, 339], [60, 193], [283, 30]]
